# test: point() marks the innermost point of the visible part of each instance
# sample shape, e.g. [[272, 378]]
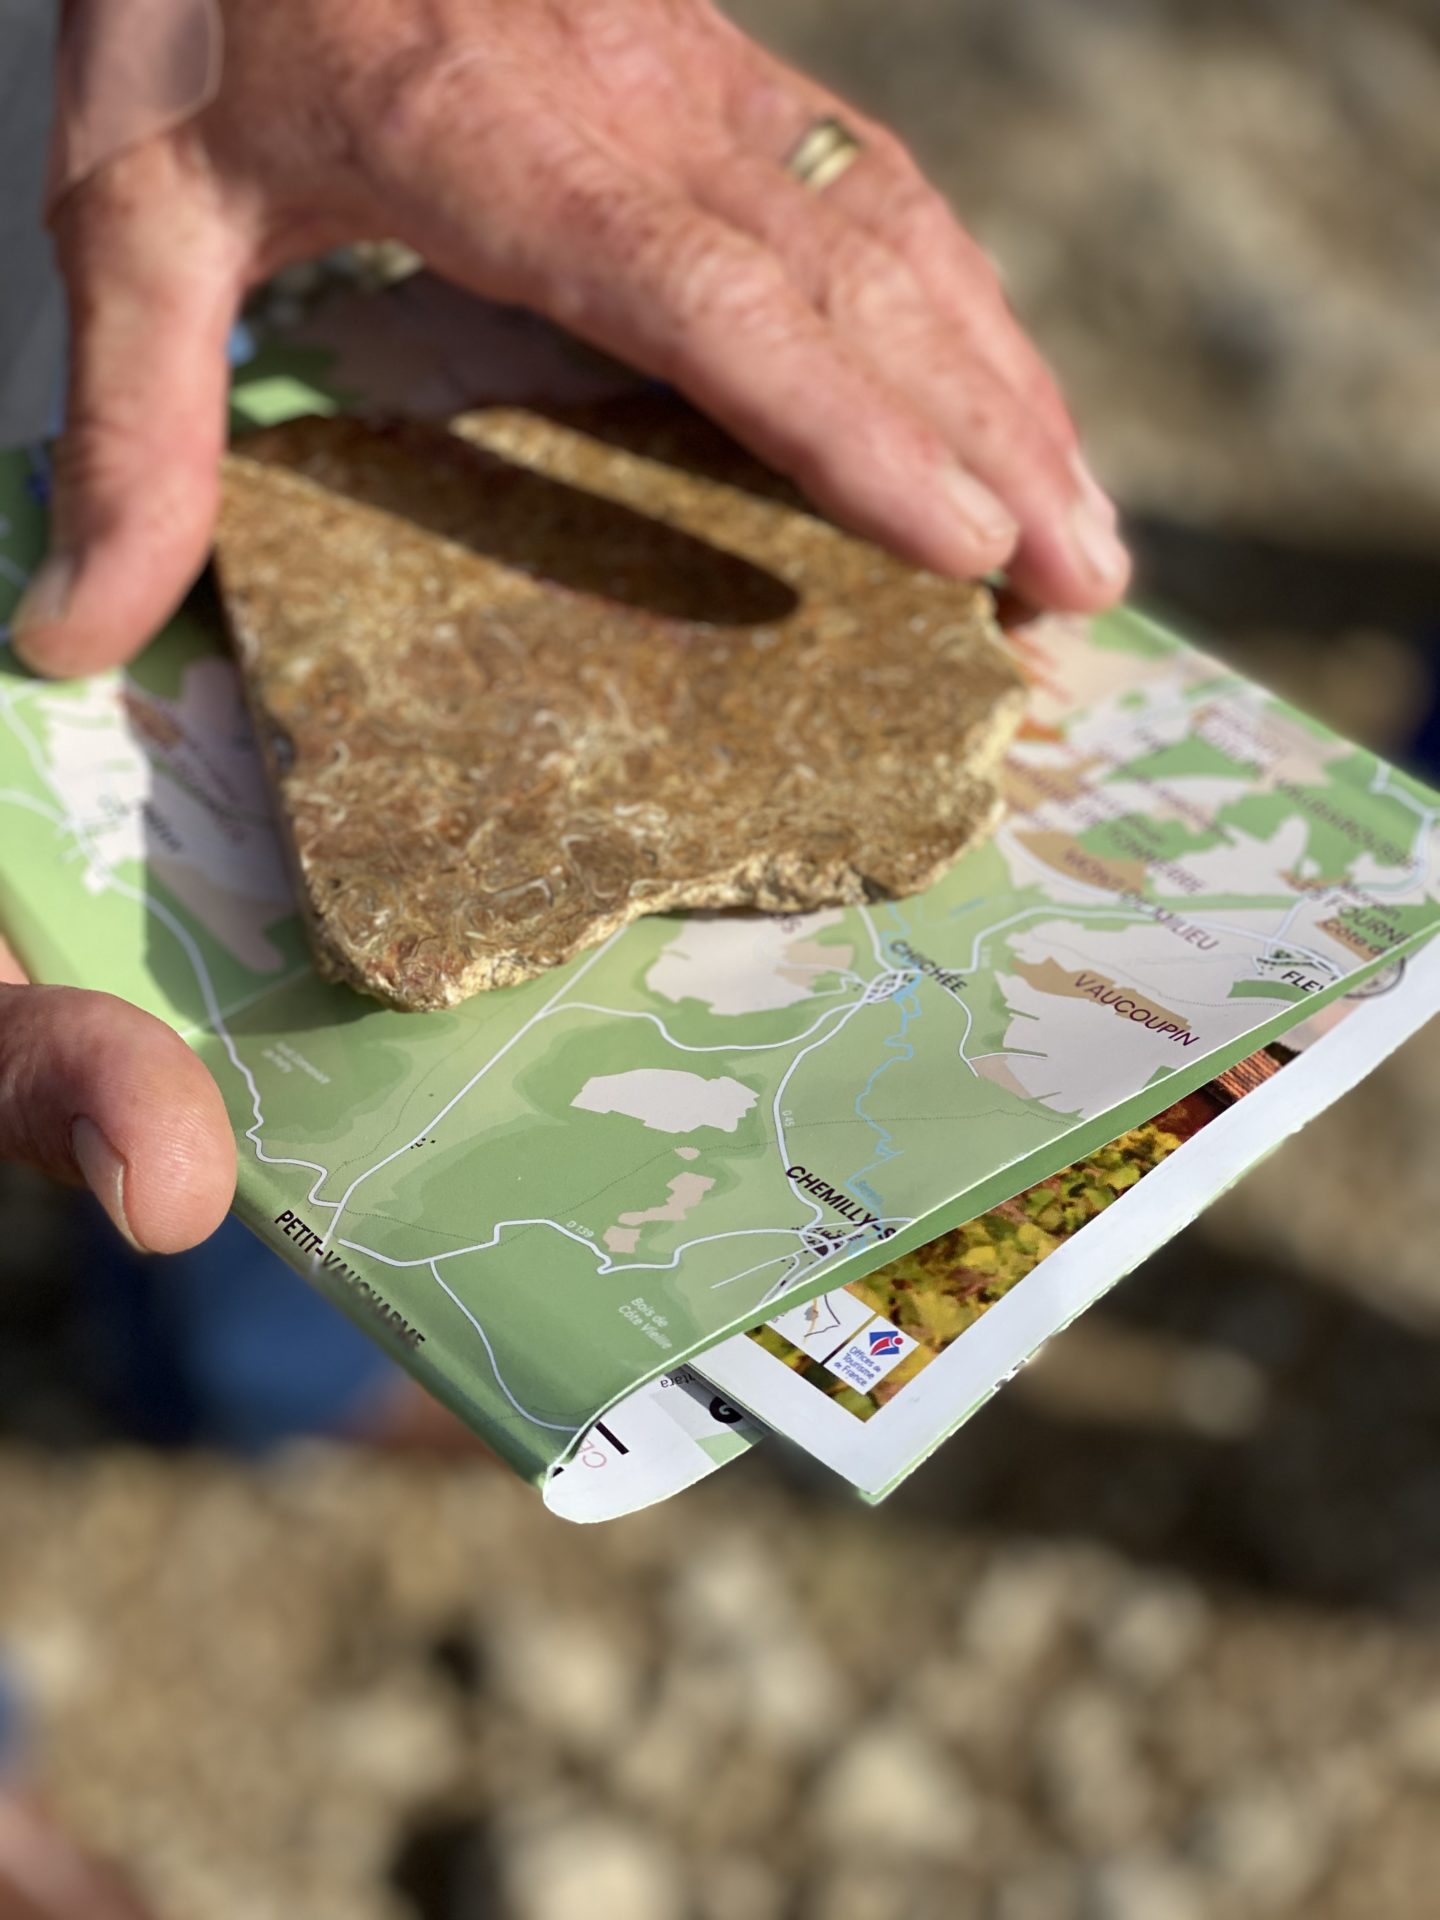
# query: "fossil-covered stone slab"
[[524, 679]]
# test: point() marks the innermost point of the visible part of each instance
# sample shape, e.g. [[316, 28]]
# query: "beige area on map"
[[1267, 739], [739, 963], [668, 1099], [686, 1191], [996, 1068], [1063, 854], [1029, 784], [1354, 939], [175, 787], [1069, 674], [1083, 983], [1077, 1053]]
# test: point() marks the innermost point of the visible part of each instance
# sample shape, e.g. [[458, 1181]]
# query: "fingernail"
[[104, 1173], [1092, 489], [1098, 548], [980, 508], [43, 602]]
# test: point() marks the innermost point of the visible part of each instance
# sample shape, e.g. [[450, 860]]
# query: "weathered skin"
[[615, 164], [523, 685]]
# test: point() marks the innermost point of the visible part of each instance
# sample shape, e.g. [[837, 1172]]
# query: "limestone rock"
[[522, 680], [592, 1864], [891, 1790]]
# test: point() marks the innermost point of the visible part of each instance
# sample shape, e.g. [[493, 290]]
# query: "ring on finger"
[[826, 149]]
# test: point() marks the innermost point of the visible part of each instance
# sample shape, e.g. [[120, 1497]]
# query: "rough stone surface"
[[891, 1791], [605, 1868], [524, 681], [1141, 1888]]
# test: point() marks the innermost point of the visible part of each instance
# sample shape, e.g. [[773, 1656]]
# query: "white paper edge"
[[874, 1454], [638, 1453]]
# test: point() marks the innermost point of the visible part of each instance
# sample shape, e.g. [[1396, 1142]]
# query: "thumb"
[[93, 1090], [153, 278]]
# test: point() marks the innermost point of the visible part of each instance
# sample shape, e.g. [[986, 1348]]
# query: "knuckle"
[[403, 97], [618, 50], [94, 468], [404, 119], [728, 284], [97, 465], [870, 286]]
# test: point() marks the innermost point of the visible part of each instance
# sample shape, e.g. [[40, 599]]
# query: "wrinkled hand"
[[616, 164], [95, 1091]]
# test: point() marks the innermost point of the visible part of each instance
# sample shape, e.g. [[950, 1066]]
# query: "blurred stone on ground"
[[353, 1687]]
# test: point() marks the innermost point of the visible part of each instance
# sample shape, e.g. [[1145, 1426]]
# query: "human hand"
[[44, 1875], [615, 164], [94, 1091]]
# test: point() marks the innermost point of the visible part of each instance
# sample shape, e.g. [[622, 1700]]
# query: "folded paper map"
[[565, 1205]]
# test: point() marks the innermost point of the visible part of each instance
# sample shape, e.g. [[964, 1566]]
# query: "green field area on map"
[[543, 1196]]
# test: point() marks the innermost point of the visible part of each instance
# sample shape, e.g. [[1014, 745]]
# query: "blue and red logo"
[[884, 1340]]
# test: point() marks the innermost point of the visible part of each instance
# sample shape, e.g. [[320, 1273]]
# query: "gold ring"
[[825, 150]]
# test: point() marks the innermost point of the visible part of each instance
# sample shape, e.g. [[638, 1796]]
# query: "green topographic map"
[[554, 1191]]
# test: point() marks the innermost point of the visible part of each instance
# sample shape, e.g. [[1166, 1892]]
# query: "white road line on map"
[[729, 1281], [217, 1016], [1280, 940], [32, 805], [553, 1426], [1124, 915], [187, 942], [1141, 919], [480, 1246], [557, 1004], [684, 1046], [788, 1281], [338, 1206], [1417, 868], [816, 1213], [876, 942], [797, 1271], [243, 1005], [605, 1263], [702, 1240], [966, 1009], [822, 1259], [1382, 785]]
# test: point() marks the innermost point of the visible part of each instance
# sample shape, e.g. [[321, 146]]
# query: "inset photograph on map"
[[863, 1344]]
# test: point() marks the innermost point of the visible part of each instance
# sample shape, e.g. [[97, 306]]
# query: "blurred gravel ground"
[[1158, 1638]]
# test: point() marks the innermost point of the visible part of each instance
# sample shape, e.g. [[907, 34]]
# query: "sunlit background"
[[1158, 1636]]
